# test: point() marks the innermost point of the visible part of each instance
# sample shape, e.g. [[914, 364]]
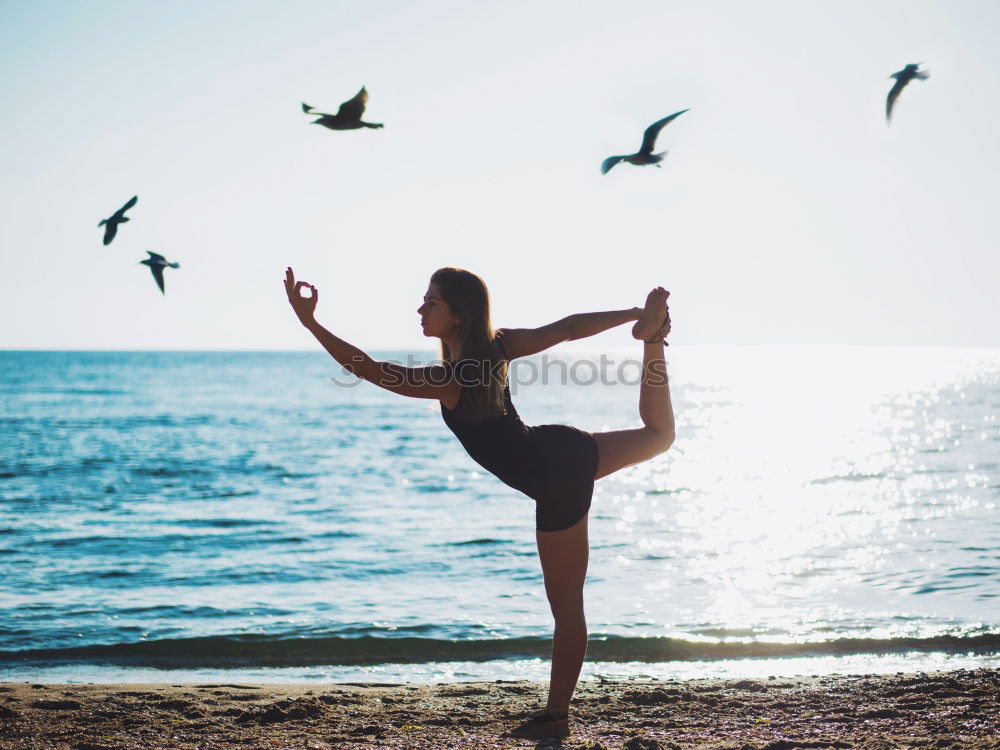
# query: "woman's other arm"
[[523, 342], [583, 325]]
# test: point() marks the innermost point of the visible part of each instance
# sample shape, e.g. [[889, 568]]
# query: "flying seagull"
[[111, 223], [348, 117], [645, 154], [902, 77], [157, 263]]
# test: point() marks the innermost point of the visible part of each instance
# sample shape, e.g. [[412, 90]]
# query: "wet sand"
[[959, 709]]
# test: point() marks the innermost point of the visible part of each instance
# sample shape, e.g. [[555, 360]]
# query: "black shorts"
[[569, 461]]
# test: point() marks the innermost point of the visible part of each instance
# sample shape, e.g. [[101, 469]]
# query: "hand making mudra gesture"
[[304, 307]]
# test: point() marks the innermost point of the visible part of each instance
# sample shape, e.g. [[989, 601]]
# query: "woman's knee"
[[568, 613], [658, 440], [664, 439], [565, 601]]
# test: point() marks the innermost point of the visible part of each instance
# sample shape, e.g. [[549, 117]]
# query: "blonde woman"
[[555, 465]]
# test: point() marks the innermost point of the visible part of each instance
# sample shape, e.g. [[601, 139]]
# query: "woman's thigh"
[[621, 448], [564, 556]]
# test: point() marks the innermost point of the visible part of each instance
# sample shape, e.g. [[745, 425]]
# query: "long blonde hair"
[[469, 300]]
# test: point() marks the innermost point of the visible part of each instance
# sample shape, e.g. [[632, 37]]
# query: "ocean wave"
[[475, 543], [240, 651], [80, 391], [852, 477]]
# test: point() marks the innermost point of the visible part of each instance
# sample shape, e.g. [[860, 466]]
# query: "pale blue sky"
[[786, 212]]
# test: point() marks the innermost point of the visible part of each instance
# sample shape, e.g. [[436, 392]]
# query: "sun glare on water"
[[794, 478]]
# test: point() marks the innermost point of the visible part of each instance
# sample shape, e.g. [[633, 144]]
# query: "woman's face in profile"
[[435, 314]]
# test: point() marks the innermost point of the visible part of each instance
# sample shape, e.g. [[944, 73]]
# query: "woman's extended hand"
[[304, 307]]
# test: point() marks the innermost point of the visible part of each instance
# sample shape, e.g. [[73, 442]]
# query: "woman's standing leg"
[[564, 555]]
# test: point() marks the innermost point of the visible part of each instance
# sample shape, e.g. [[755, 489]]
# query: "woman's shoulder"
[[499, 335]]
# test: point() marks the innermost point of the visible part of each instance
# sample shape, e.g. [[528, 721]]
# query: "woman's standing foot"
[[547, 724]]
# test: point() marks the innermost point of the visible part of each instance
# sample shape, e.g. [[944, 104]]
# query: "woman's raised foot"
[[653, 316]]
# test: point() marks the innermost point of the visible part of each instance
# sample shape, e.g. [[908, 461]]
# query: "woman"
[[556, 465]]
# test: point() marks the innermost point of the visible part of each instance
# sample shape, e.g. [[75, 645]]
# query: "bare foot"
[[653, 317], [542, 725]]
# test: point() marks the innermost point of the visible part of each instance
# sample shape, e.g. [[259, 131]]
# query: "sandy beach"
[[959, 709]]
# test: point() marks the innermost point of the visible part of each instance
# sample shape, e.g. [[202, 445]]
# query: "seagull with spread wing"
[[157, 263], [902, 77], [118, 217], [348, 117], [645, 155]]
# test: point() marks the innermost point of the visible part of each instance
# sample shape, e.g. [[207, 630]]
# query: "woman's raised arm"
[[417, 382], [352, 358]]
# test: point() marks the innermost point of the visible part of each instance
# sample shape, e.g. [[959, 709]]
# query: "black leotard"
[[552, 463]]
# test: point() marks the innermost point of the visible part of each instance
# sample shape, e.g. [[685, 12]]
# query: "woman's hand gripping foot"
[[654, 320]]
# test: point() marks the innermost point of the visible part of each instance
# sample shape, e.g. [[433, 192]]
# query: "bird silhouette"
[[157, 263], [644, 156], [348, 117], [902, 77], [111, 223]]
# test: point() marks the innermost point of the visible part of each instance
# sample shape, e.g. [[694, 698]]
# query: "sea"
[[170, 516]]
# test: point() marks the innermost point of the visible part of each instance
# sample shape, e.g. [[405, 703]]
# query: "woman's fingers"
[[296, 291], [294, 288], [665, 328]]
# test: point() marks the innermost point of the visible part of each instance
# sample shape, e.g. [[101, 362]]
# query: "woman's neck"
[[454, 351]]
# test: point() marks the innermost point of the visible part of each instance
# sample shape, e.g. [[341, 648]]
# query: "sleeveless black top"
[[553, 464], [503, 445]]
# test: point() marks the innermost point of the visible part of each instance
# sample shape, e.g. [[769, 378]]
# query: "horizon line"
[[571, 348]]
